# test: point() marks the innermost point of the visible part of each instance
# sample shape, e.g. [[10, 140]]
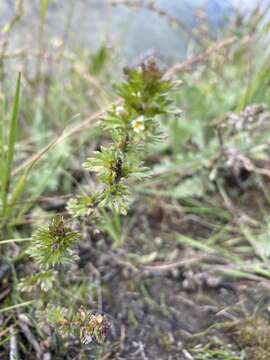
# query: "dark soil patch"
[[155, 311]]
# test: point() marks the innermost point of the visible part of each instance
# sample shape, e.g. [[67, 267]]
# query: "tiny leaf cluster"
[[52, 244]]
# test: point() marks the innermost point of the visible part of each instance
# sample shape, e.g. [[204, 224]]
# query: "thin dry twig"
[[201, 57], [13, 352], [31, 338], [4, 294], [170, 266], [68, 132], [107, 356]]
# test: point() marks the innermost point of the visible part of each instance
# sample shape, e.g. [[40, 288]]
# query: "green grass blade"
[[44, 8], [13, 124], [16, 193], [2, 154], [12, 307], [257, 88], [11, 241]]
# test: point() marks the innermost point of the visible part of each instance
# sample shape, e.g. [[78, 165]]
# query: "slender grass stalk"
[[11, 241], [2, 154], [7, 163], [42, 17], [7, 153], [12, 307]]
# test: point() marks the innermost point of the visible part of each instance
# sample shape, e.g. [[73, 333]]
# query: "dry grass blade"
[[176, 264], [32, 340], [70, 131], [202, 57], [13, 353]]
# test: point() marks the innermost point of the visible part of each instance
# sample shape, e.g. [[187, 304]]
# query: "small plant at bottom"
[[132, 125], [83, 324]]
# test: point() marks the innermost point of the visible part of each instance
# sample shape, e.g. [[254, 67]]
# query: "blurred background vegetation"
[[210, 184]]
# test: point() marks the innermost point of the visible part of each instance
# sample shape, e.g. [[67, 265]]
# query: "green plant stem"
[[42, 17], [7, 157], [12, 307]]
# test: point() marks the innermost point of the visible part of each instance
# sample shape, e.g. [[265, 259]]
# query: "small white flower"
[[138, 124]]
